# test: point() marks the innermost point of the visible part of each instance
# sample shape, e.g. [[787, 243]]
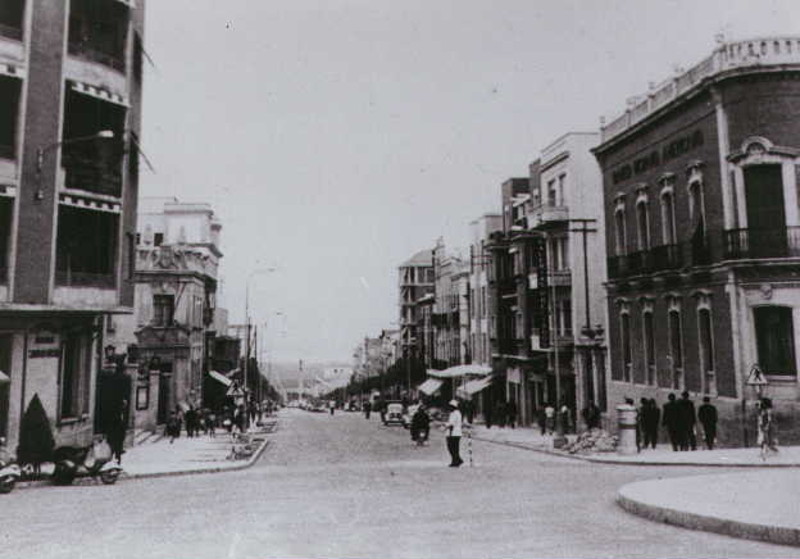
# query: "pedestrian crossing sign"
[[756, 377]]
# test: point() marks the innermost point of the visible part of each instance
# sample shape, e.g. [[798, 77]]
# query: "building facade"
[[480, 261], [416, 286], [70, 102], [177, 264], [701, 180]]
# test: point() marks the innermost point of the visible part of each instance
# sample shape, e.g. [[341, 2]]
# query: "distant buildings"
[[657, 255]]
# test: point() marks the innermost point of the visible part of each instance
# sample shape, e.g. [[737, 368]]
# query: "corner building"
[[701, 180]]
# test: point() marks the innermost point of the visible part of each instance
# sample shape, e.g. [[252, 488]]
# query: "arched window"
[[675, 341], [625, 339], [620, 237], [668, 233], [705, 335]]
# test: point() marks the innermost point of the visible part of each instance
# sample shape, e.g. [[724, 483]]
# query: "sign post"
[[757, 379]]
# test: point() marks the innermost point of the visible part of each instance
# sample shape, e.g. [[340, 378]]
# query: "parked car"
[[394, 413]]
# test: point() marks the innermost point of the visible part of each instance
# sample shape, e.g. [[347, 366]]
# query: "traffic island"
[[742, 505]]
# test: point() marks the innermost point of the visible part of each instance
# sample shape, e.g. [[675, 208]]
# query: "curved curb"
[[599, 459], [694, 521]]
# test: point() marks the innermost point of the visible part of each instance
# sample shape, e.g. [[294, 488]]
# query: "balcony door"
[[766, 214]]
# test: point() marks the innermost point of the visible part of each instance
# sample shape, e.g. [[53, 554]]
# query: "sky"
[[336, 138]]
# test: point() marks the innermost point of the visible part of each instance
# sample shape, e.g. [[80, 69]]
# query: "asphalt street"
[[342, 486]]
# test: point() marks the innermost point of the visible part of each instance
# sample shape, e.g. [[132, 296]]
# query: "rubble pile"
[[596, 440]]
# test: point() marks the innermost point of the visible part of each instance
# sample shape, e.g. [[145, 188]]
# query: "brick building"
[[701, 179], [70, 101]]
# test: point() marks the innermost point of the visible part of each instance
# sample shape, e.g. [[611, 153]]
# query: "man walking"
[[670, 418], [688, 422], [453, 429], [707, 414]]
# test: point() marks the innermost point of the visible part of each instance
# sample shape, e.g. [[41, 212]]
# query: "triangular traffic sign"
[[756, 377]]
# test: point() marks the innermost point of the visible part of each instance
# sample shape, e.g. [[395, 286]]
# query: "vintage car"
[[394, 413]]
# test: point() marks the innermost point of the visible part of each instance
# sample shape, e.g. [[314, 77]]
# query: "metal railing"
[[85, 51]]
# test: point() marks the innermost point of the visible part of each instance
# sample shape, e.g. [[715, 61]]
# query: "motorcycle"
[[91, 461], [9, 470]]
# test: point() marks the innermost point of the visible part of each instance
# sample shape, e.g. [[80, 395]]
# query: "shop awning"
[[4, 377], [430, 386], [461, 371], [474, 386], [219, 377]]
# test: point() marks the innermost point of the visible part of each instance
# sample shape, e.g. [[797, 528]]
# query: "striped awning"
[[474, 386], [98, 92], [219, 377], [430, 386], [89, 203]]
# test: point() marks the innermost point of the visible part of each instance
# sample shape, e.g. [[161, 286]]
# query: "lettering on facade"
[[39, 353], [673, 149], [541, 307]]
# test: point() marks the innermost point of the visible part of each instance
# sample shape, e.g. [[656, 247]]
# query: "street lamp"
[[42, 150], [246, 369]]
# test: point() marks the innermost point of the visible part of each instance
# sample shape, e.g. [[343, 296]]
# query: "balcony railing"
[[82, 50], [783, 242], [735, 244], [68, 278], [92, 178], [546, 213]]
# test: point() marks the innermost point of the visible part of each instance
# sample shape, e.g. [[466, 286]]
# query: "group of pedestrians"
[[502, 414], [679, 418]]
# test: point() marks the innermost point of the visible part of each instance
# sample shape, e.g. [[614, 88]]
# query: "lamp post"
[[42, 150], [246, 369]]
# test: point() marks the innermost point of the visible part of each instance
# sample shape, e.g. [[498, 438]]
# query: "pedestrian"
[[453, 430], [488, 416], [332, 406], [173, 426], [511, 413], [670, 418], [591, 416], [541, 419], [116, 431], [367, 409], [766, 429], [468, 410], [420, 425], [549, 418], [651, 418], [211, 424], [707, 414], [688, 422], [565, 416], [191, 421], [640, 411], [500, 413]]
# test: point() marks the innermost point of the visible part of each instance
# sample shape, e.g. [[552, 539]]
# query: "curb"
[[601, 460], [693, 521], [127, 476]]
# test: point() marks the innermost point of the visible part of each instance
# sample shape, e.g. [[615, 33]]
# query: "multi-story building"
[[480, 262], [70, 101], [416, 285], [701, 185], [451, 275], [177, 262], [566, 216]]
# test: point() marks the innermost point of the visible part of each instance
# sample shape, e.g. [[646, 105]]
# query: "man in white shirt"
[[453, 428]]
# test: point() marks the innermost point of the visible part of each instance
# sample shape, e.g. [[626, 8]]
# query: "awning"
[[474, 386], [4, 377], [219, 377], [98, 93], [460, 371], [429, 386]]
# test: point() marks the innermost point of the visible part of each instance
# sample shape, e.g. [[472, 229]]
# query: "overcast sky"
[[336, 138]]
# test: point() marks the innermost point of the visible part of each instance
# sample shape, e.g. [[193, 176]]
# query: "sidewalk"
[[663, 455], [751, 504], [157, 457]]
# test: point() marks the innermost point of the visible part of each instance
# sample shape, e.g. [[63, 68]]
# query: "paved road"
[[345, 487]]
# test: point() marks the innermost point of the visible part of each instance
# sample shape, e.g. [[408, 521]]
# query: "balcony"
[[663, 258], [547, 213], [86, 52], [10, 31], [781, 242]]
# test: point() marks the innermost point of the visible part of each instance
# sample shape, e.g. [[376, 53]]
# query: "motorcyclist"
[[420, 425]]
